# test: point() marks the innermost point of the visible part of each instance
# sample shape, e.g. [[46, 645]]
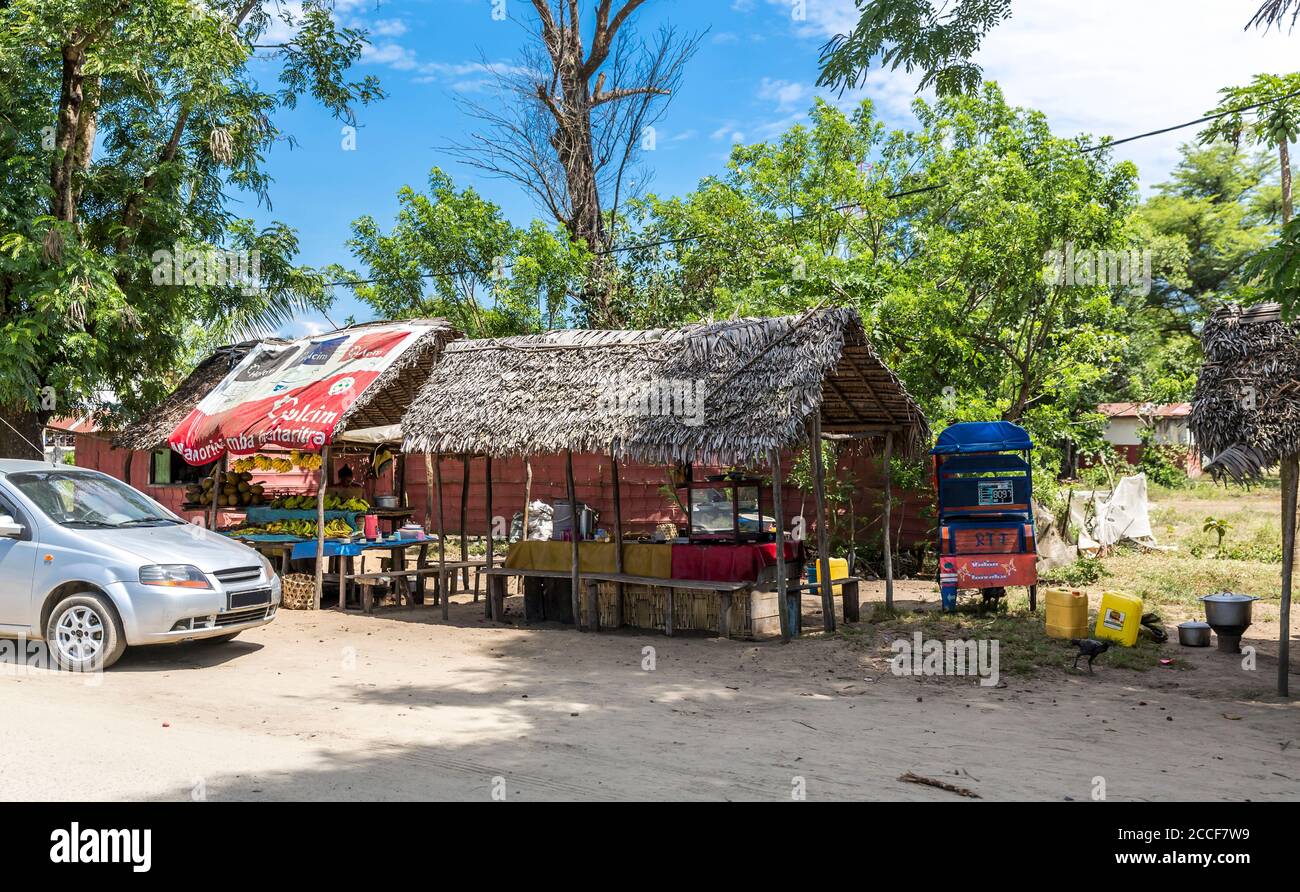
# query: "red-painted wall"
[[644, 505]]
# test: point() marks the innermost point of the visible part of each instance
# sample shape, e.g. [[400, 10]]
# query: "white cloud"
[[391, 54], [1107, 67], [786, 94], [387, 28]]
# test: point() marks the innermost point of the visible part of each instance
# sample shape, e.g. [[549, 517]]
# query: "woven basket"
[[298, 592]]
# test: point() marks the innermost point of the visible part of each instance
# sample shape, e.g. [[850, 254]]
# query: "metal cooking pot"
[[386, 502], [1194, 634], [1228, 611]]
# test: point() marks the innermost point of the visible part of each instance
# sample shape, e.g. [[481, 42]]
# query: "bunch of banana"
[[307, 461]]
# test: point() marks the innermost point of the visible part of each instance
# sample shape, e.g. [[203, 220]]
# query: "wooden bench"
[[794, 596], [366, 579]]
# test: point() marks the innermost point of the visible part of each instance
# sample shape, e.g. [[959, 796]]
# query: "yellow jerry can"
[[1067, 613], [839, 570], [1119, 618]]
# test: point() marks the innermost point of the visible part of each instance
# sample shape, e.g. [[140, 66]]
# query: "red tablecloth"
[[731, 563]]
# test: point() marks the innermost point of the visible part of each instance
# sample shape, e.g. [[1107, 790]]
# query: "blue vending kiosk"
[[984, 488]]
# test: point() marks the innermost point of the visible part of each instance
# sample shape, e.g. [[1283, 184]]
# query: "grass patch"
[[1024, 649]]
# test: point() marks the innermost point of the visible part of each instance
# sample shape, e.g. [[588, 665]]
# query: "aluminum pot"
[[1228, 612], [1194, 634], [386, 502]]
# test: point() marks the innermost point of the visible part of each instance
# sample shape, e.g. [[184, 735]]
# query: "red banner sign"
[[990, 570], [290, 395]]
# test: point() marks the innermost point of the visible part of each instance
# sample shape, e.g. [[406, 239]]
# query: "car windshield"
[[80, 499]]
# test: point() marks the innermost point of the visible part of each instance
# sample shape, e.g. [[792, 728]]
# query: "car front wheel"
[[84, 634]]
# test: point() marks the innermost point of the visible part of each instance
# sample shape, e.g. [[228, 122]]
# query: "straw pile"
[[1246, 411]]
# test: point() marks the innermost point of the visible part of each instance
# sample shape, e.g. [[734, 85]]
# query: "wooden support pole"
[[215, 506], [1290, 483], [495, 606], [823, 534], [783, 605], [320, 522], [886, 541], [434, 464], [619, 588], [464, 516], [573, 537]]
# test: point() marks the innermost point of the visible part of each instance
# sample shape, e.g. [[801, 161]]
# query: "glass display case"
[[727, 509]]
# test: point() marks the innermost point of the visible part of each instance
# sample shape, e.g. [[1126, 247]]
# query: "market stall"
[[736, 395], [311, 408]]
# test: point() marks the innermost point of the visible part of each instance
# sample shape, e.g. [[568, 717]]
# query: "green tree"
[[125, 130], [452, 253], [939, 238]]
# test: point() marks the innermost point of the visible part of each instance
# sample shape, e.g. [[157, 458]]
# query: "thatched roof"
[[1246, 411], [152, 430], [383, 403], [386, 400], [722, 391]]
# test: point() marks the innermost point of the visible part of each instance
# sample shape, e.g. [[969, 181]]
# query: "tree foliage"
[[126, 129]]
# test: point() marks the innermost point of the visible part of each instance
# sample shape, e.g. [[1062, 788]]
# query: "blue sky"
[[1113, 67]]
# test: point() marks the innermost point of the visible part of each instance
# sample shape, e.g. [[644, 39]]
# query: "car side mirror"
[[10, 528]]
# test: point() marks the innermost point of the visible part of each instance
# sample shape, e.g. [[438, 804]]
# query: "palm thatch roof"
[[383, 403], [1246, 411], [152, 430], [728, 392]]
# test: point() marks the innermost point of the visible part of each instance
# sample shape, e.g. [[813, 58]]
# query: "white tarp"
[[1105, 517]]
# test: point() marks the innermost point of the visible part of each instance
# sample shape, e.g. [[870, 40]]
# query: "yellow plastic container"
[[839, 570], [1119, 618], [1067, 613]]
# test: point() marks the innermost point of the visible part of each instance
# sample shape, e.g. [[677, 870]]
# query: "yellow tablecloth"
[[639, 559]]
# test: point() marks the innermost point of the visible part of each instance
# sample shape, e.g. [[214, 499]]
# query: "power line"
[[893, 196]]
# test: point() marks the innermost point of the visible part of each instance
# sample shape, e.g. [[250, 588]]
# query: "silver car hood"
[[177, 544]]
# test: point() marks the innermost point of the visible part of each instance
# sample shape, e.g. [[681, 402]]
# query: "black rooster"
[[1090, 648]]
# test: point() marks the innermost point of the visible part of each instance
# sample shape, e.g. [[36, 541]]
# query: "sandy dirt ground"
[[400, 706]]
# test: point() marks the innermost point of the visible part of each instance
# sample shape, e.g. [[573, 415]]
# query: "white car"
[[91, 565]]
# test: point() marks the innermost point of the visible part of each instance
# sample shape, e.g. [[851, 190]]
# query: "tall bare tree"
[[572, 118]]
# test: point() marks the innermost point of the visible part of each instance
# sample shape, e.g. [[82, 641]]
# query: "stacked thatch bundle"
[[727, 392], [1246, 411]]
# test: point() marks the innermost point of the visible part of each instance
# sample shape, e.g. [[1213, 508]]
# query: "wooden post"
[[1290, 482], [464, 516], [823, 534], [434, 464], [573, 537], [887, 544], [399, 478], [320, 521], [217, 475], [781, 585], [619, 588], [495, 606]]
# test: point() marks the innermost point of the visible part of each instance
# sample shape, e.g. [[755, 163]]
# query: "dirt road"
[[398, 706]]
